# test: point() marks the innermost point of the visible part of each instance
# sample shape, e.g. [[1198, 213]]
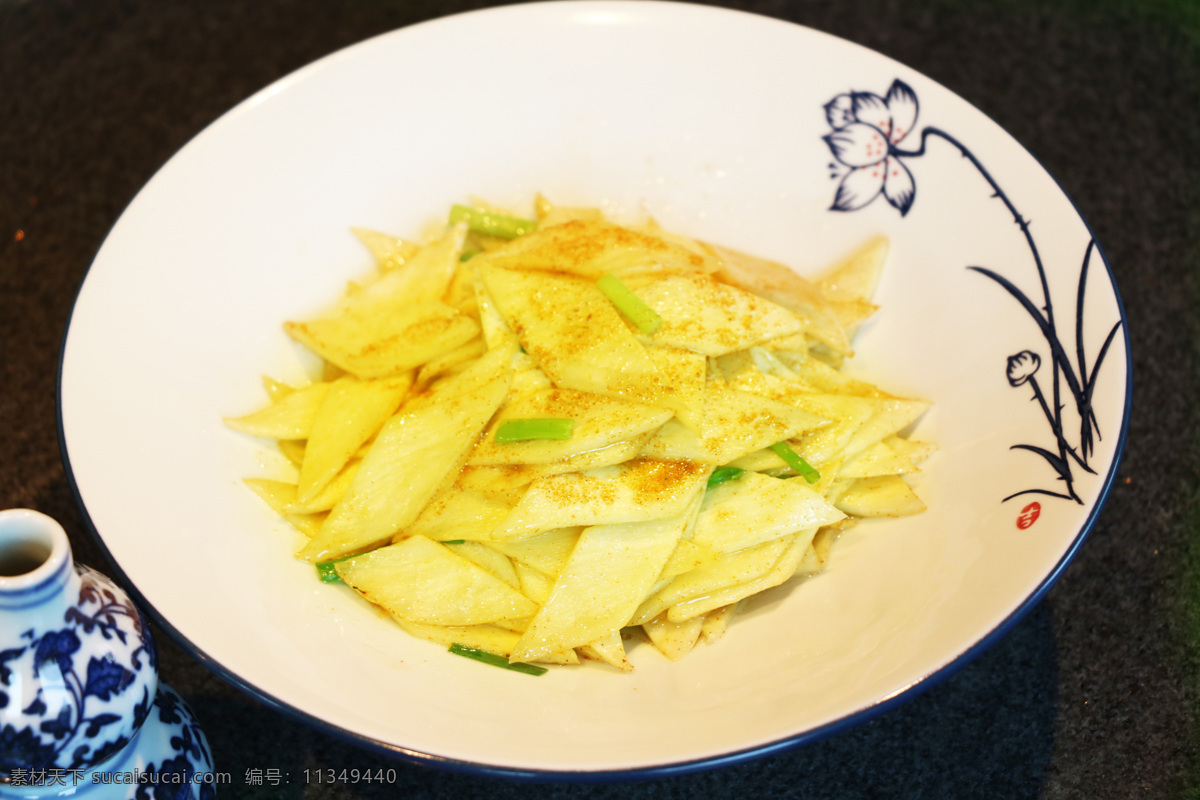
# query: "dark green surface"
[[1092, 695]]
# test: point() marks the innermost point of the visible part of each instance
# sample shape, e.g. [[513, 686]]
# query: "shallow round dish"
[[753, 133]]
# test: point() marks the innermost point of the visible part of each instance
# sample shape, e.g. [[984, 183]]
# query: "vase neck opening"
[[35, 557]]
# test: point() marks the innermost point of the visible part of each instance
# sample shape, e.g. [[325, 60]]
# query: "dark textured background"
[[1092, 695]]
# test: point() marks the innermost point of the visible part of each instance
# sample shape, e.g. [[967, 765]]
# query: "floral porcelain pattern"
[[82, 689], [867, 133], [79, 690]]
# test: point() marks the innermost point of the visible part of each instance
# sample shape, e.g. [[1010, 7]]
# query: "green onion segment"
[[629, 304], [327, 570], [489, 224], [495, 660], [722, 474], [524, 429], [793, 460]]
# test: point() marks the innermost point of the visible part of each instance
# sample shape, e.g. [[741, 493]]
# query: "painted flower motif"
[[867, 129], [1022, 367], [23, 748], [56, 646]]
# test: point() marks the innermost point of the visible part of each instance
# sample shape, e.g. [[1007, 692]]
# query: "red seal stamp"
[[1029, 515]]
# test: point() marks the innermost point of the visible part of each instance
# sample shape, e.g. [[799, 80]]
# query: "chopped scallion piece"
[[489, 224], [629, 304], [722, 474], [467, 255], [520, 430], [327, 572], [793, 460], [495, 660], [454, 541]]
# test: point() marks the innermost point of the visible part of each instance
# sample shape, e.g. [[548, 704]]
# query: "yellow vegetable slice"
[[735, 423], [607, 576], [783, 286], [491, 560], [425, 582], [610, 649], [878, 459], [351, 413], [592, 248], [535, 585], [571, 330], [546, 552], [416, 454], [856, 275], [599, 421], [281, 497], [787, 565], [331, 492], [636, 491], [459, 513], [717, 621], [882, 496], [673, 639], [712, 318], [755, 508], [732, 570], [289, 417], [912, 450], [380, 341], [388, 251], [487, 637]]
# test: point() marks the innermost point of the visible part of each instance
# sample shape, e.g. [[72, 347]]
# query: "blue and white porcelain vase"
[[82, 713]]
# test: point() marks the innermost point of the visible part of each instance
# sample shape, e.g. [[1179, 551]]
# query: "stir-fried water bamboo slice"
[[783, 286], [491, 560], [425, 582], [878, 459], [490, 638], [352, 412], [673, 639], [914, 451], [755, 508], [593, 248], [787, 565], [546, 552], [459, 513], [855, 276], [607, 576], [572, 331], [882, 496], [417, 454], [731, 570], [281, 497], [289, 417], [397, 322], [705, 316], [610, 649], [735, 423], [331, 493], [389, 251], [717, 621], [636, 491], [379, 341], [598, 422], [535, 584]]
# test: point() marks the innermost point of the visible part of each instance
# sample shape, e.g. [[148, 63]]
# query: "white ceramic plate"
[[732, 127]]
